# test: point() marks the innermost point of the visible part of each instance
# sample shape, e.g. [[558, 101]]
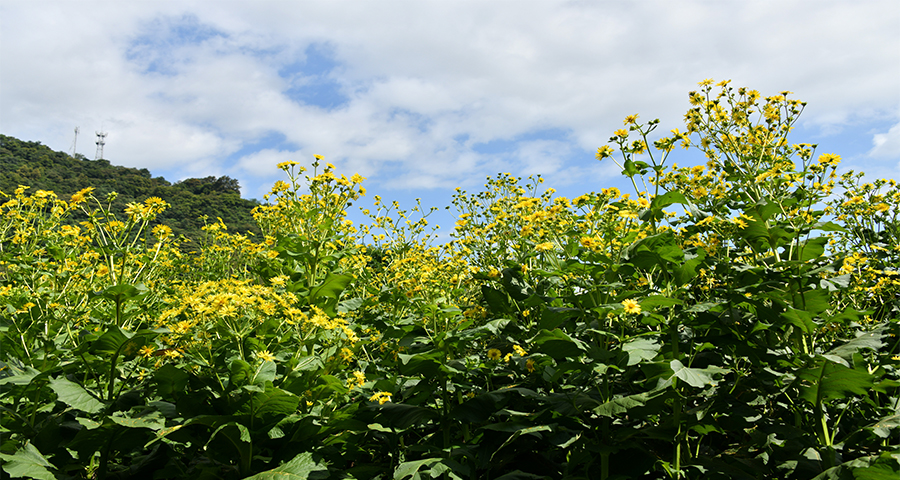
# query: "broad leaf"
[[75, 396], [298, 468], [557, 344], [696, 377], [825, 380], [640, 349], [402, 416], [27, 462]]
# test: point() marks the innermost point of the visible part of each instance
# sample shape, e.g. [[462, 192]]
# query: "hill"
[[41, 168]]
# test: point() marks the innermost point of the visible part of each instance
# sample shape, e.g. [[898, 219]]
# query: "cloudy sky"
[[423, 96]]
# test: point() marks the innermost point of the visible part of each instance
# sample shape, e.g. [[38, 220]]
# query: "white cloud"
[[191, 84], [886, 145]]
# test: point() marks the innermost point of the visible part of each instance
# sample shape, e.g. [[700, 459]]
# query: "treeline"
[[41, 168]]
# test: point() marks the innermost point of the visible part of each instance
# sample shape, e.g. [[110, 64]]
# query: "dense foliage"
[[733, 319], [37, 166]]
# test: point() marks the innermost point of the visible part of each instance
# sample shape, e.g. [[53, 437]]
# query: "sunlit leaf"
[[27, 462], [75, 396]]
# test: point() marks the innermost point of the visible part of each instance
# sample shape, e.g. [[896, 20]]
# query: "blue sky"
[[424, 96]]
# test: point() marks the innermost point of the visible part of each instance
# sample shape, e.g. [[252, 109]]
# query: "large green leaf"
[[75, 396], [557, 344], [696, 377], [170, 380], [27, 462], [271, 404], [640, 349], [408, 469], [331, 287], [298, 468], [621, 404], [153, 421], [885, 466], [427, 364], [497, 301], [240, 373], [402, 416], [115, 342], [825, 380], [865, 340]]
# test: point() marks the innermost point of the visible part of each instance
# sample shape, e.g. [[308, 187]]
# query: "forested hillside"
[[34, 165]]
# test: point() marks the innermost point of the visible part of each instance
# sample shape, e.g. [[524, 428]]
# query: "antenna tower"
[[74, 142], [101, 141]]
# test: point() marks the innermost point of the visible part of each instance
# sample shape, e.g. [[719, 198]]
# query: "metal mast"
[[101, 141], [74, 142]]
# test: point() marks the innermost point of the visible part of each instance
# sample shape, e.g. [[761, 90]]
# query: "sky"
[[422, 96]]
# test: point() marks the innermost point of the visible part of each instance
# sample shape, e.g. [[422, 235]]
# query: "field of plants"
[[736, 319]]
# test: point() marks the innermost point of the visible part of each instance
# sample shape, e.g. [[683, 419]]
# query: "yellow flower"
[[829, 159], [80, 196], [519, 351], [162, 231], [631, 306], [358, 379], [286, 165], [494, 354], [544, 247], [265, 356], [621, 133], [529, 365], [604, 152], [631, 119], [381, 398]]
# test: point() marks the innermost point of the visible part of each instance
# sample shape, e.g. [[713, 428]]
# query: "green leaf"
[[867, 340], [696, 377], [812, 248], [271, 403], [630, 169], [654, 301], [402, 416], [621, 404], [884, 426], [331, 287], [426, 364], [519, 432], [153, 421], [497, 301], [686, 272], [332, 383], [640, 349], [557, 344], [240, 373], [121, 292], [825, 380], [264, 372], [885, 466], [27, 462], [814, 301], [407, 469], [115, 342], [75, 396], [298, 468], [170, 380], [829, 227], [668, 198], [800, 319]]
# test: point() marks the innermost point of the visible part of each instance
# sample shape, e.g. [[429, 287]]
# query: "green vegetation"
[[736, 319], [39, 167]]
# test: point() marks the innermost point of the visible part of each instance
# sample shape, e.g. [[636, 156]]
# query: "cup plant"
[[730, 319]]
